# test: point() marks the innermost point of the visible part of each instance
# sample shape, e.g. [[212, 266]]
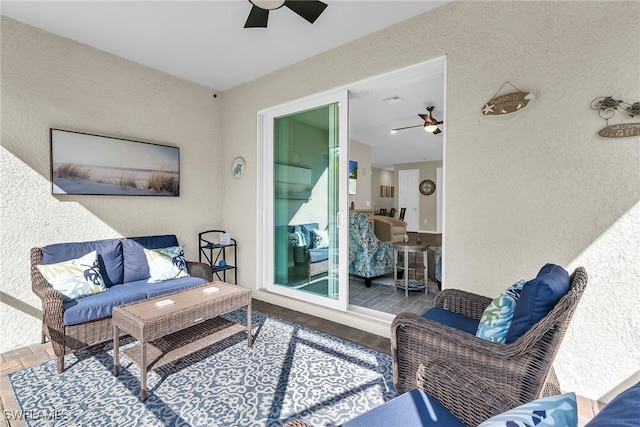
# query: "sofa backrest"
[[135, 261], [109, 256], [121, 260], [306, 231]]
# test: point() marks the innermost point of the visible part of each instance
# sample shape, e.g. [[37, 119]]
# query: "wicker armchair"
[[462, 393], [66, 339], [522, 370]]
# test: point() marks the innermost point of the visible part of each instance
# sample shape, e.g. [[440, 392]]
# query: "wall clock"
[[427, 187], [238, 167]]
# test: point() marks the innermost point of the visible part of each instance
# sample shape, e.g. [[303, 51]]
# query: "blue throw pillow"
[[537, 299], [496, 318], [623, 411], [557, 411]]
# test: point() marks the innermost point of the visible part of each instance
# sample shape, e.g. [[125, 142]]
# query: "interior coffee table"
[[172, 326]]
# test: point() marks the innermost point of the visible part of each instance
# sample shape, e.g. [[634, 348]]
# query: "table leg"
[[116, 351], [406, 273], [143, 371], [426, 273], [249, 333], [395, 266]]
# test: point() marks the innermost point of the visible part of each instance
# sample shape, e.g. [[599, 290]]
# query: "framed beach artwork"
[[83, 163]]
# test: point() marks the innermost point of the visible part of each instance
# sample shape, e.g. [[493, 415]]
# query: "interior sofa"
[[77, 323], [389, 229], [309, 248]]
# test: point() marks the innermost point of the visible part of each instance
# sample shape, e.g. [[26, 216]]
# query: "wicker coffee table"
[[188, 323]]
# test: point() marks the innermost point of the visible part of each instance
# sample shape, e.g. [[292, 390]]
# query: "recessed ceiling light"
[[393, 99]]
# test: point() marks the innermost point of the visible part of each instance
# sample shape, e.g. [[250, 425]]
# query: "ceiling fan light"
[[430, 128], [267, 4]]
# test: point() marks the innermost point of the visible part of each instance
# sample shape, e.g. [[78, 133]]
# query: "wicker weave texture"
[[522, 370], [66, 339], [145, 321]]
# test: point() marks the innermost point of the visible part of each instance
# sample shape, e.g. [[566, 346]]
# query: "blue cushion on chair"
[[623, 411], [97, 306], [412, 409], [109, 256], [452, 319], [135, 262], [537, 299], [155, 289]]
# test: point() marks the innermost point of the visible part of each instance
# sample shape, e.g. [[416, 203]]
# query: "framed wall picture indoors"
[[83, 163]]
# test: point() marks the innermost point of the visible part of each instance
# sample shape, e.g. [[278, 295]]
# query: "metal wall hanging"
[[508, 103], [607, 107]]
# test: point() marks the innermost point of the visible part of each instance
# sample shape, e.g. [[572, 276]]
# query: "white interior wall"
[[48, 81], [534, 187]]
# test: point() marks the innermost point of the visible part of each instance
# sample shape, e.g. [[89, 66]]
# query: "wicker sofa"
[[316, 259], [72, 325]]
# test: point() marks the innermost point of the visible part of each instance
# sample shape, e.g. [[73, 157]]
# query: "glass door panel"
[[307, 188]]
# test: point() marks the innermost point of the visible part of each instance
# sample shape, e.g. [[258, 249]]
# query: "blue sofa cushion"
[[135, 261], [109, 251], [537, 299], [452, 319], [622, 411], [318, 255], [97, 306], [415, 409], [151, 290]]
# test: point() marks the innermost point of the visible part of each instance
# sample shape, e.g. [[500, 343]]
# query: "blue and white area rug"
[[290, 372]]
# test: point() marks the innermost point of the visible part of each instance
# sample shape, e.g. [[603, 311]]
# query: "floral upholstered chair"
[[368, 256]]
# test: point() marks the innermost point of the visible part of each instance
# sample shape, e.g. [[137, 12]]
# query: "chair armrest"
[[467, 396], [416, 340], [200, 269], [462, 302]]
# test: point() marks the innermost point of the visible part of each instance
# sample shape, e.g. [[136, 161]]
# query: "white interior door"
[[408, 197]]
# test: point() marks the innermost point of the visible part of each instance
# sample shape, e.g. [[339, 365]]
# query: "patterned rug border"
[[291, 371]]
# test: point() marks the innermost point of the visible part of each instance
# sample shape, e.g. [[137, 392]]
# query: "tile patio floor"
[[21, 358]]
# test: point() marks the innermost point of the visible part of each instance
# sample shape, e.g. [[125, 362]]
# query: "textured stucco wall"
[[521, 190], [49, 81]]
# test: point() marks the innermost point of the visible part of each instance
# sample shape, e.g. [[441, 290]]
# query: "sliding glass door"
[[304, 240]]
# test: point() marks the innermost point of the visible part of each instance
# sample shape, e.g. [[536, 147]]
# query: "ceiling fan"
[[259, 15], [430, 124]]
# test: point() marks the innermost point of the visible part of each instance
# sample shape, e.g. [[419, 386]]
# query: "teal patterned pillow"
[[496, 318], [75, 278], [166, 263], [557, 411]]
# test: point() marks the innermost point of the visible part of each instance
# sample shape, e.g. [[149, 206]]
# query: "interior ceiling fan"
[[259, 15], [430, 124]]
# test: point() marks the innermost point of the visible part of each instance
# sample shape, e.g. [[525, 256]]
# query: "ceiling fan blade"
[[437, 131], [424, 117], [308, 9], [258, 18], [408, 127]]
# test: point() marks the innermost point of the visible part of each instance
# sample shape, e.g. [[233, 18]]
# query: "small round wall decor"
[[238, 167], [427, 187]]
